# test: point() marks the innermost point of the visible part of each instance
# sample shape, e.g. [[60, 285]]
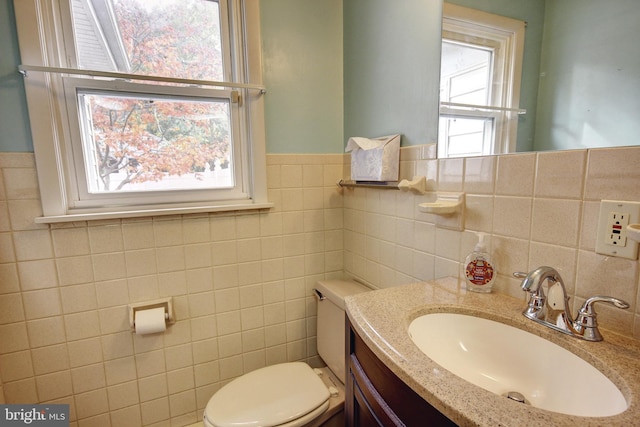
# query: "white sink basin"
[[503, 359]]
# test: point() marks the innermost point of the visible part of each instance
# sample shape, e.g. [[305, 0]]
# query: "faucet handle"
[[587, 307], [587, 321], [519, 274]]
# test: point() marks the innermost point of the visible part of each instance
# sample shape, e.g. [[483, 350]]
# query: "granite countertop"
[[382, 318]]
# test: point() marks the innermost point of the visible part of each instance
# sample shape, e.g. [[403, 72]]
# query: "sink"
[[503, 359]]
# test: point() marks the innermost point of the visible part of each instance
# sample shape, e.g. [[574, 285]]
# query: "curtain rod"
[[127, 76]]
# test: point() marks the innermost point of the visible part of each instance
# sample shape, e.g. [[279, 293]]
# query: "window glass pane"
[[466, 78], [466, 71], [171, 38], [146, 143], [470, 87], [465, 136]]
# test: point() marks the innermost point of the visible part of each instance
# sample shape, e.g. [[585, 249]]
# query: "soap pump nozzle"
[[481, 246]]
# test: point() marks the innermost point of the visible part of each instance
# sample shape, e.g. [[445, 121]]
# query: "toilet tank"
[[331, 321]]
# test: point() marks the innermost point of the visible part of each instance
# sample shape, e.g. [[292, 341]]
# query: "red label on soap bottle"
[[479, 272]]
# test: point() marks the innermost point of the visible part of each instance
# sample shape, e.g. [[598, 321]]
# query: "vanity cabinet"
[[375, 396]]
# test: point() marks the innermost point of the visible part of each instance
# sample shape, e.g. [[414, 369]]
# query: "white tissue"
[[365, 143], [150, 321], [375, 159]]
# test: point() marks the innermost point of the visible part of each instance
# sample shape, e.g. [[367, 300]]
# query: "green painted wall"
[[590, 92], [302, 49], [14, 119], [302, 54], [392, 68], [341, 68]]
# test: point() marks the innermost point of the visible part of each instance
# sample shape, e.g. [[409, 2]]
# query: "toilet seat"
[[283, 395]]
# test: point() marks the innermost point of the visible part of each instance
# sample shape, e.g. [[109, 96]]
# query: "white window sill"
[[91, 216]]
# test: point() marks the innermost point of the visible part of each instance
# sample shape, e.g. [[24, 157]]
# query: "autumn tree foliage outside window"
[[144, 107], [156, 144], [137, 143]]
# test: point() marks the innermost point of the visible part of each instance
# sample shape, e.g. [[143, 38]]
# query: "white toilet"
[[292, 394]]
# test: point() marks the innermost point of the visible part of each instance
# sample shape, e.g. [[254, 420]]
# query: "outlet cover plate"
[[603, 246]]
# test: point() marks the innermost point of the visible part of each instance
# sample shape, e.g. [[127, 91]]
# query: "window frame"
[[83, 198], [42, 32], [505, 37]]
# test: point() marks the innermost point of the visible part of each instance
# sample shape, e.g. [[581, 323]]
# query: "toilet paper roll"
[[150, 321]]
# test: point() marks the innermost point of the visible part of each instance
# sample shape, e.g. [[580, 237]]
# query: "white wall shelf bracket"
[[417, 185]]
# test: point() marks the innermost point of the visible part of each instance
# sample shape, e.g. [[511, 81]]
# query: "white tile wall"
[[539, 208], [242, 282]]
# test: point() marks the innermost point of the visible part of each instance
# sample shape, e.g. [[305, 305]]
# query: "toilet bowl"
[[292, 394]]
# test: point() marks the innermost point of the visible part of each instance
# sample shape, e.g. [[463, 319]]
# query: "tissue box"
[[375, 159]]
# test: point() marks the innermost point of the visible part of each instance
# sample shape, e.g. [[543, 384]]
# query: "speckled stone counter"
[[382, 317]]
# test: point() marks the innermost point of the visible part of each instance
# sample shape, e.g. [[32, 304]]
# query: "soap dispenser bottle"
[[479, 269]]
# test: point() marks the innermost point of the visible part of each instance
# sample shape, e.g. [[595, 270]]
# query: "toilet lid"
[[267, 397]]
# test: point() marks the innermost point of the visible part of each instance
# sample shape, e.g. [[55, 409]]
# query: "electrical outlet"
[[617, 228], [612, 228]]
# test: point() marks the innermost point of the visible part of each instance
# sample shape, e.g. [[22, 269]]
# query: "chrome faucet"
[[553, 310]]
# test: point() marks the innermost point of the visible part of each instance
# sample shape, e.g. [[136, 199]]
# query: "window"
[[144, 107], [479, 82]]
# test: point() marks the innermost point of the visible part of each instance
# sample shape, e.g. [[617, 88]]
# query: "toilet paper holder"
[[166, 303]]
